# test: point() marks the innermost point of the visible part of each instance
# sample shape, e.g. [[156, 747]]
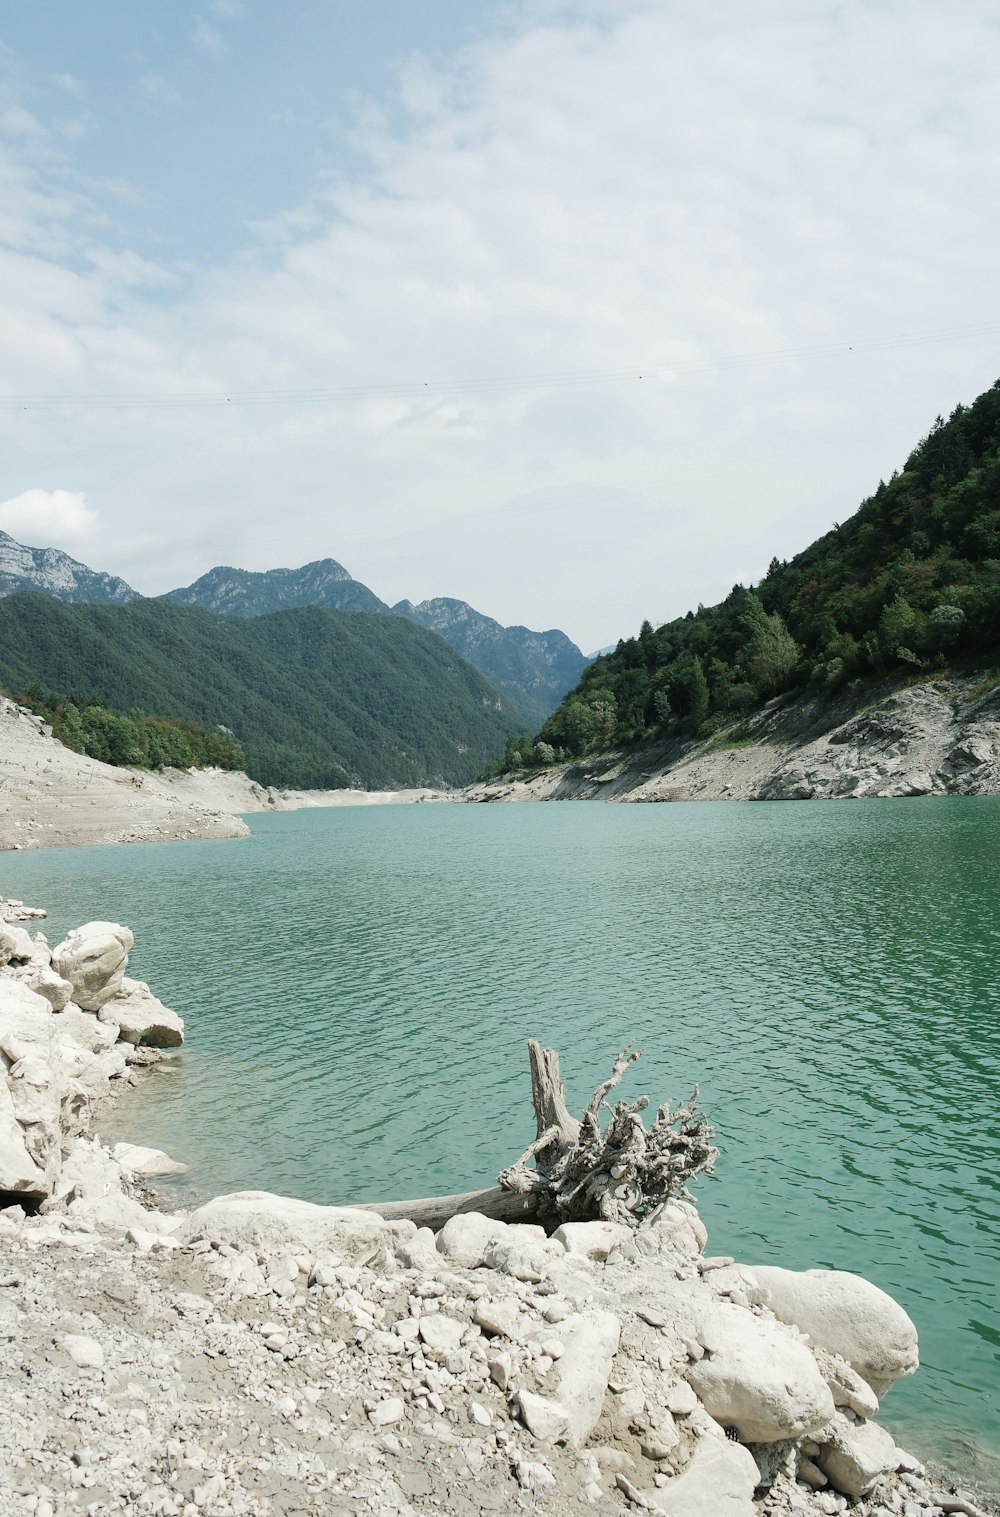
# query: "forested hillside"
[[532, 670], [315, 698], [910, 583]]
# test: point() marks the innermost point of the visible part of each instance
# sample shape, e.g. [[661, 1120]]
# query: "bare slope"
[[51, 797]]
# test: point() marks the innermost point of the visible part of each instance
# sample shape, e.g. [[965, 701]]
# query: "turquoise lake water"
[[359, 986]]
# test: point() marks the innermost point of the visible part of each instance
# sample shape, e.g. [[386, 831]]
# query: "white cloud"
[[159, 91], [69, 84], [48, 518], [208, 39]]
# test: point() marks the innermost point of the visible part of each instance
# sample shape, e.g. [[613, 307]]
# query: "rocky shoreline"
[[937, 738], [265, 1355]]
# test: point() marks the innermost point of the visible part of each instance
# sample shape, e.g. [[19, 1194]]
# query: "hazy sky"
[[579, 310]]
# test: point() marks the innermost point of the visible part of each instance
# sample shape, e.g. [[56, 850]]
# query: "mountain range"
[[317, 699], [532, 670]]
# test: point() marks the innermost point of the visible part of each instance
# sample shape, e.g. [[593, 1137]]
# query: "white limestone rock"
[[755, 1376], [76, 1029], [141, 1018], [85, 1352], [592, 1240], [856, 1454], [385, 1413], [498, 1316], [441, 1333], [32, 1080], [418, 1252], [19, 1173], [146, 1162], [718, 1481], [93, 958], [524, 1253], [57, 991], [846, 1315], [266, 1223], [846, 1385], [546, 1419], [678, 1229], [580, 1375], [16, 946], [464, 1238]]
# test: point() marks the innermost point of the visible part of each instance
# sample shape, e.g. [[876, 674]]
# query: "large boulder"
[[148, 1163], [19, 1174], [141, 1018], [464, 1238], [93, 958], [718, 1481], [757, 1377], [856, 1454], [32, 1079], [265, 1223], [591, 1240], [57, 991], [590, 1342], [846, 1315], [15, 944]]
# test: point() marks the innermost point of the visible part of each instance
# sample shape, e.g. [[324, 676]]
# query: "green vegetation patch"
[[909, 586], [134, 741], [315, 698]]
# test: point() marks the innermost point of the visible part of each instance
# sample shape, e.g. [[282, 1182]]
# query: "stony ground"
[[212, 1378]]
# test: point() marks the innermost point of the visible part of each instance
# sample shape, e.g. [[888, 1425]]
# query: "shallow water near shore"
[[359, 985]]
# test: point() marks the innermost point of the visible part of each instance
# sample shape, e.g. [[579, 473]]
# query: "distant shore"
[[51, 797], [939, 737]]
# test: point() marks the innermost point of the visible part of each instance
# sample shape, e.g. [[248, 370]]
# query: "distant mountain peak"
[[51, 572], [249, 592]]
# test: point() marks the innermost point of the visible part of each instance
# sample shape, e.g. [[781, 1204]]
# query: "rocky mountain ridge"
[[242, 592], [533, 670], [51, 572]]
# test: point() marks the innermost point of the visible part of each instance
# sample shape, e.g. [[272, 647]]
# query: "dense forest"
[[315, 698], [133, 740], [910, 584]]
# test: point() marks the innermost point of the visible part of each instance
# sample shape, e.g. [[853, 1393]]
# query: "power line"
[[497, 385]]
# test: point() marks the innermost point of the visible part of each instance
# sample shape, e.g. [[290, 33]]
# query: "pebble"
[[383, 1413]]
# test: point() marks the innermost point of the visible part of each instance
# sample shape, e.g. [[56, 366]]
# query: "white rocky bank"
[[265, 1355]]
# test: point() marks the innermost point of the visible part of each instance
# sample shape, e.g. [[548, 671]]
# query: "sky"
[[578, 310]]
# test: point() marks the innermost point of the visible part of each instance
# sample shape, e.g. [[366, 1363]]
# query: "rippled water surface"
[[359, 986]]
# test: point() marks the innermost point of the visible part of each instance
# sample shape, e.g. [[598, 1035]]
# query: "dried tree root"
[[623, 1173]]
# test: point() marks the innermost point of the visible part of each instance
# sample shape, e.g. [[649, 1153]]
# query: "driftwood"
[[623, 1173]]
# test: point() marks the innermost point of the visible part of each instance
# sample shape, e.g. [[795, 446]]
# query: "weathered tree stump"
[[623, 1173]]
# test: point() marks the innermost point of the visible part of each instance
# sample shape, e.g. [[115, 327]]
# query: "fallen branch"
[[623, 1173]]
